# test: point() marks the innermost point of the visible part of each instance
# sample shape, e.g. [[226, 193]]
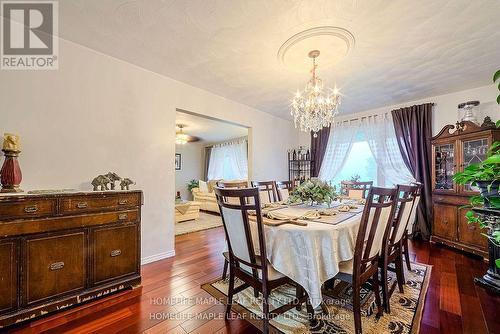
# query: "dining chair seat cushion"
[[272, 274]]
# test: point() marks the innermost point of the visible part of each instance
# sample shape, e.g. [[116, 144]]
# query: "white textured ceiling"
[[404, 50], [209, 130]]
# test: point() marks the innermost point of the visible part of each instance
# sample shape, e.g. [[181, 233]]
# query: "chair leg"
[[400, 276], [385, 286], [265, 311], [230, 293], [224, 271], [356, 305], [299, 293], [407, 253], [376, 291]]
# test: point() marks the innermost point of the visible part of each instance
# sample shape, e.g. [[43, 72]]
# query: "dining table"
[[309, 245]]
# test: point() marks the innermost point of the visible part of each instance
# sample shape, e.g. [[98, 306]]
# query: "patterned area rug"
[[405, 316], [205, 222]]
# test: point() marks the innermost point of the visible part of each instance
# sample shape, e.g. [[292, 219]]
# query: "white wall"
[[192, 165], [98, 114]]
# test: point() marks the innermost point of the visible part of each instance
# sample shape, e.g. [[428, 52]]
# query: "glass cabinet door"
[[444, 162], [474, 151]]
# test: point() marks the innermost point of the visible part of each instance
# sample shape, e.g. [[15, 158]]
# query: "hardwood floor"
[[165, 301]]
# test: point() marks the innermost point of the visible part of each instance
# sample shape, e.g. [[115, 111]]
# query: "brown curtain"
[[208, 152], [318, 148], [413, 127]]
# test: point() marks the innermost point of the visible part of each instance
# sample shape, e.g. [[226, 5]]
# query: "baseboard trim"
[[157, 257]]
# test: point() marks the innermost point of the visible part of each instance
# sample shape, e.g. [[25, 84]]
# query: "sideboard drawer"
[[8, 275], [55, 265], [30, 208], [115, 252], [104, 202]]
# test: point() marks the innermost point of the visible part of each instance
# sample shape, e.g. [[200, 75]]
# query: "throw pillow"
[[203, 186]]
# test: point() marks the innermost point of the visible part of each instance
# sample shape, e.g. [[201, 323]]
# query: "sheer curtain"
[[238, 159], [216, 163], [229, 158], [381, 137], [339, 145]]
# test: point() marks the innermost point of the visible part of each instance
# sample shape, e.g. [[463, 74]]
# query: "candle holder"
[[10, 174]]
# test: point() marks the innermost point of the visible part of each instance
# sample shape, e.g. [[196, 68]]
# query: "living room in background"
[[211, 150]]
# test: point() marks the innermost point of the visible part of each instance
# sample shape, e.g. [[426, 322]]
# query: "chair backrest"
[[377, 216], [406, 196], [284, 188], [267, 191], [232, 184], [355, 189], [234, 205]]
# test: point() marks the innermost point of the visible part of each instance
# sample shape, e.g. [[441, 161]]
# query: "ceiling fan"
[[182, 138]]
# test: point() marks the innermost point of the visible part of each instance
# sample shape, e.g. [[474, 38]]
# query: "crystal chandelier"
[[315, 107]]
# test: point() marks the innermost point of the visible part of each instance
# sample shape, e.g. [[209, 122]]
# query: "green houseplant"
[[193, 184], [314, 191]]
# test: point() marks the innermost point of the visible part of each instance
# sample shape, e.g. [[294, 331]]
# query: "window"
[[360, 162]]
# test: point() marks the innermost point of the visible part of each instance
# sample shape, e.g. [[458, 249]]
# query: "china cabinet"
[[453, 149]]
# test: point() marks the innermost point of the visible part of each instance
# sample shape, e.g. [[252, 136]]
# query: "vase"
[[491, 280], [10, 174]]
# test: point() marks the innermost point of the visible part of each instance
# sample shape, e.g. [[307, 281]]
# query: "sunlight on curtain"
[[381, 137], [229, 161], [339, 145]]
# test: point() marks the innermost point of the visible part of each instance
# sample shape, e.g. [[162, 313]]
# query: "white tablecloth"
[[310, 255]]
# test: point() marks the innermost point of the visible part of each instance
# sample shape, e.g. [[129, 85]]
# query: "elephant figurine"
[[101, 181], [113, 177], [125, 183]]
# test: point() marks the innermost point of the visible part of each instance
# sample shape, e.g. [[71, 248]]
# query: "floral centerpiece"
[[313, 191]]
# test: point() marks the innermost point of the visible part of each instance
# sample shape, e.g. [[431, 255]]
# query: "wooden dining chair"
[[245, 264], [284, 188], [392, 250], [356, 190], [406, 248], [232, 184], [267, 191], [376, 219]]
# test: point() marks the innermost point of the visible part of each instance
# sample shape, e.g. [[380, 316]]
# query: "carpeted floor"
[[405, 316], [205, 222]]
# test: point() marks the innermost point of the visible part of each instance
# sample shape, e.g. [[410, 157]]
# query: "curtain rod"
[[234, 140]]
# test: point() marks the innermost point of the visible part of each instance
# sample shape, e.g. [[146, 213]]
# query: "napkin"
[[328, 212], [311, 214], [273, 205], [344, 208]]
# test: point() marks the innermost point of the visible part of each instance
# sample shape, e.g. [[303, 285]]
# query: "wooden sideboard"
[[453, 149], [63, 249]]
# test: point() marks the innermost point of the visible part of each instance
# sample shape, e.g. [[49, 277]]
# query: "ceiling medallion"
[[336, 43], [315, 107]]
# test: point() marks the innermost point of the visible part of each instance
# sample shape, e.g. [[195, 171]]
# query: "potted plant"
[[193, 184], [486, 207], [313, 191]]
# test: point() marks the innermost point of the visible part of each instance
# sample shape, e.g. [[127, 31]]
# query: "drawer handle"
[[445, 222], [116, 252], [31, 208], [56, 266], [122, 216], [123, 202], [81, 205], [471, 227]]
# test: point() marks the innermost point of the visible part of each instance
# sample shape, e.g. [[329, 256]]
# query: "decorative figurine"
[[125, 183], [101, 181], [10, 174], [112, 178], [487, 122]]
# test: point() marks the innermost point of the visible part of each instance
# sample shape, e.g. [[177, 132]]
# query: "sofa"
[[205, 195]]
